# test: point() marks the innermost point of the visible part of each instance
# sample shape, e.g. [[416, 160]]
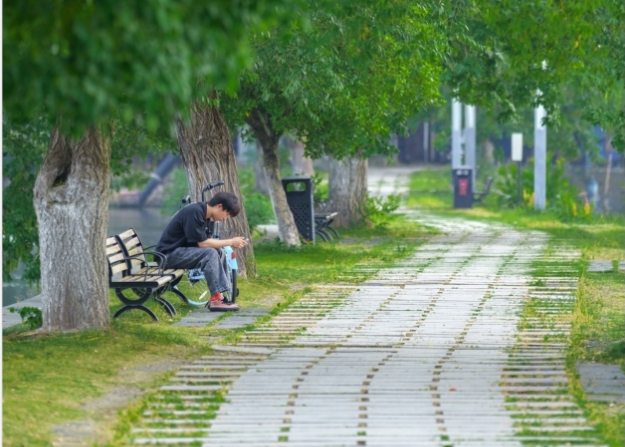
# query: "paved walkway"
[[434, 351]]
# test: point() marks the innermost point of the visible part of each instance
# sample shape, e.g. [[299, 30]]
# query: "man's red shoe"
[[220, 305]]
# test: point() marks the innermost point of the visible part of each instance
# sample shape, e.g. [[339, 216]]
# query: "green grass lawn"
[[48, 378]]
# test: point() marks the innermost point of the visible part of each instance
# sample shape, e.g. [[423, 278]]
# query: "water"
[[148, 222]]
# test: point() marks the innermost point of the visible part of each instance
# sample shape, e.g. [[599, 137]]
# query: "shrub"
[[258, 206], [380, 212], [561, 195], [31, 316]]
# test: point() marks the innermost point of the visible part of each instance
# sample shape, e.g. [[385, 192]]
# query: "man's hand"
[[237, 242]]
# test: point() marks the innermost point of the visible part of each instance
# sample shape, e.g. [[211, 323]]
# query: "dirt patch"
[[102, 410]]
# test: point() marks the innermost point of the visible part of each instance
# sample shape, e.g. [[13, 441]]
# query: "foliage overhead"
[[347, 80], [90, 61], [129, 66], [517, 53]]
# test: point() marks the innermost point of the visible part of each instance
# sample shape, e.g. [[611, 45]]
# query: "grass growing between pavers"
[[50, 380], [164, 407], [597, 320], [598, 335]]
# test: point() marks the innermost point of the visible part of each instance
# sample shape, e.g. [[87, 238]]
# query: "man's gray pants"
[[211, 261]]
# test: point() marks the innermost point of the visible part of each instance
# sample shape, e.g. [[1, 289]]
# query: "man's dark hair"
[[228, 201]]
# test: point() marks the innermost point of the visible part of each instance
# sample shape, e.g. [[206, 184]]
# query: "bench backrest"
[[132, 246], [118, 267]]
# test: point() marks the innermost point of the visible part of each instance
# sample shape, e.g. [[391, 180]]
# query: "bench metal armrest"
[[163, 258], [324, 219], [142, 258]]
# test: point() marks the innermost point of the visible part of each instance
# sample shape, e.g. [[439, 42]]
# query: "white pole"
[[540, 159], [456, 134], [426, 142], [469, 140], [517, 155]]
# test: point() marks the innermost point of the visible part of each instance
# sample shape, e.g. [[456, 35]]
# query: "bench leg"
[[323, 235], [169, 308], [140, 307], [180, 295], [326, 234], [333, 230]]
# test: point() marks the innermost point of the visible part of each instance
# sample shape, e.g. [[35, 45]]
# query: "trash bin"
[[299, 196], [463, 187]]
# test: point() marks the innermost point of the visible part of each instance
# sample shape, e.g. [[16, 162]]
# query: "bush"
[[562, 195], [31, 316], [320, 188], [258, 206], [258, 209], [380, 212]]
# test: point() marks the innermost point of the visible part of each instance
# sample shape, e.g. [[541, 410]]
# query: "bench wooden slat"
[[141, 281], [135, 251], [113, 249], [133, 244], [134, 262], [118, 268], [176, 273], [115, 258], [126, 234]]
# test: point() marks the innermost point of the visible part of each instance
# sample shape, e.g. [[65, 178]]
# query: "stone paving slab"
[[600, 266], [203, 316], [602, 382]]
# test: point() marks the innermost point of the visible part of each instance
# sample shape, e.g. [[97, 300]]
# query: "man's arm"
[[235, 242]]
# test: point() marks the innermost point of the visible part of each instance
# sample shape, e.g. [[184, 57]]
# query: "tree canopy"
[[92, 61], [519, 53], [131, 66], [347, 80]]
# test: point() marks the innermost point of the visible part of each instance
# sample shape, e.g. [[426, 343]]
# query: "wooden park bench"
[[323, 224], [478, 197], [132, 247], [135, 280]]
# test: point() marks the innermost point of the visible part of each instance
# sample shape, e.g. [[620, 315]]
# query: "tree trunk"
[[260, 183], [261, 126], [300, 163], [347, 190], [207, 156], [71, 202], [489, 151]]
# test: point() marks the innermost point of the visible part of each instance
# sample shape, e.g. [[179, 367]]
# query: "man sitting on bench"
[[186, 245]]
